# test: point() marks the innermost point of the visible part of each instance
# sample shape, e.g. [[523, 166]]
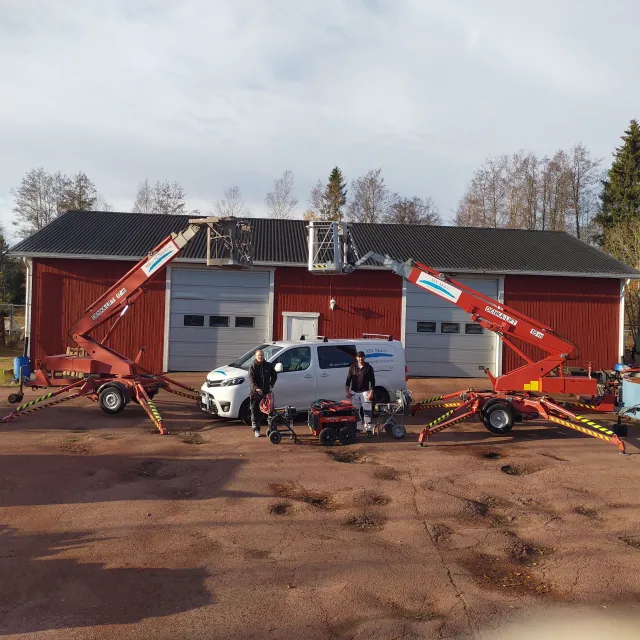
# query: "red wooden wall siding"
[[63, 289], [584, 311], [366, 301]]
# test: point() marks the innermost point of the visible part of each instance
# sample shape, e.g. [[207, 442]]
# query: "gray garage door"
[[216, 316], [441, 340]]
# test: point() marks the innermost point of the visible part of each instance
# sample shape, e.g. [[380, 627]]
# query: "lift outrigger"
[[105, 376], [519, 395]]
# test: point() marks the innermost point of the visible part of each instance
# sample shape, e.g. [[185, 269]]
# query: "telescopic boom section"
[[507, 323], [116, 300]]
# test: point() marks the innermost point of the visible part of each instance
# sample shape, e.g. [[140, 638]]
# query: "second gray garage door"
[[216, 316], [441, 340]]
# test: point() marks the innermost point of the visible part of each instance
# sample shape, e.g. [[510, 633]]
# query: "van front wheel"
[[244, 415]]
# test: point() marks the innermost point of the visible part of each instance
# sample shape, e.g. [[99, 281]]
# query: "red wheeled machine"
[[520, 395], [331, 420], [107, 377]]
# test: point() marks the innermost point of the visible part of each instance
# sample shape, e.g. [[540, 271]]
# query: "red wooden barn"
[[194, 317]]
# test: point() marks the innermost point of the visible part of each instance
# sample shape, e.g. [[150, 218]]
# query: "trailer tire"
[[14, 398], [499, 418], [327, 437], [111, 399]]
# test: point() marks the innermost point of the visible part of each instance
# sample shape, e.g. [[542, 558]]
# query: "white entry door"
[[299, 324]]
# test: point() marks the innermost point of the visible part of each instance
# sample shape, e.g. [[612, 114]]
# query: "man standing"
[[361, 381], [262, 376]]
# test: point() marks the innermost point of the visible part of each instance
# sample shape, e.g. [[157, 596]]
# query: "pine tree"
[[335, 196], [620, 196]]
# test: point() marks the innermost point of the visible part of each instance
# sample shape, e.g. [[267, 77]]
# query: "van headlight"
[[232, 382]]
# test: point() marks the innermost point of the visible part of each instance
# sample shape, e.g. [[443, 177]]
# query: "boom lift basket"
[[229, 242], [330, 248]]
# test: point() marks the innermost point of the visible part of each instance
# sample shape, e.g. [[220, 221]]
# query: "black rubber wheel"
[[398, 431], [14, 398], [275, 437], [327, 437], [244, 415], [380, 396], [499, 418], [347, 435], [112, 400]]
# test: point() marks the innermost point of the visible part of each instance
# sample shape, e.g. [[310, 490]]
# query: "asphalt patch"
[[296, 492], [386, 473], [279, 508], [372, 498], [510, 470], [632, 541], [366, 521], [496, 574], [192, 438], [347, 457]]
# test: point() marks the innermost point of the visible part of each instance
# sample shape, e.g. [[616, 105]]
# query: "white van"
[[308, 370]]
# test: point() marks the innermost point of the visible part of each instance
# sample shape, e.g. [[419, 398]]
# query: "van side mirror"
[[278, 367]]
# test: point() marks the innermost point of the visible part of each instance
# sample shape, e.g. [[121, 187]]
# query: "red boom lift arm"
[[513, 396], [104, 375]]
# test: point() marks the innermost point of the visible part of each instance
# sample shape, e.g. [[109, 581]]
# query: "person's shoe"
[[256, 433]]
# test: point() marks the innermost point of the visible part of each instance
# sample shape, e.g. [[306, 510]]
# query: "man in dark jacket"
[[361, 381], [262, 376]]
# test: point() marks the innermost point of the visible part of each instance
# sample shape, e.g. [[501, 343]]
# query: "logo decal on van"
[[379, 355], [220, 371]]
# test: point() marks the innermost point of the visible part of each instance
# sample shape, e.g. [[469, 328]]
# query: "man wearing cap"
[[361, 382]]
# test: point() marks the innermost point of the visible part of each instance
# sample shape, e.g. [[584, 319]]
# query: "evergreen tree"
[[620, 198], [335, 196]]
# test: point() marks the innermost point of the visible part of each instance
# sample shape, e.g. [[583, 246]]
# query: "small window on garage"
[[218, 321], [450, 327], [245, 322], [194, 321], [426, 327], [473, 328]]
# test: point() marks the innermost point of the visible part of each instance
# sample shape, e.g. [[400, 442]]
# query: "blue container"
[[21, 362], [630, 392]]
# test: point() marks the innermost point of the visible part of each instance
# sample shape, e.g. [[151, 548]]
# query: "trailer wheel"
[[14, 398], [347, 435], [112, 400], [398, 431], [499, 418], [327, 437]]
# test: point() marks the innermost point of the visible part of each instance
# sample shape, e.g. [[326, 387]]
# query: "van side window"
[[296, 359], [336, 356]]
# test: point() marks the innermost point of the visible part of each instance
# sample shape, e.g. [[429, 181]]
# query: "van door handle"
[[324, 375], [308, 375]]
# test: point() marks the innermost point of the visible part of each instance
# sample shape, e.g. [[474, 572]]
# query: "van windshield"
[[245, 361]]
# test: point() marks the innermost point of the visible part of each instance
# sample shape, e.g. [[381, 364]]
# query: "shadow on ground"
[[39, 593]]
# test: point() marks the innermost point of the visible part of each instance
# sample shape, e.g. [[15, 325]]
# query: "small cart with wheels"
[[280, 422], [390, 416], [331, 420]]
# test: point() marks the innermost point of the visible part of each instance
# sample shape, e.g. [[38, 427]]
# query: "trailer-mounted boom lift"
[[102, 374], [332, 249]]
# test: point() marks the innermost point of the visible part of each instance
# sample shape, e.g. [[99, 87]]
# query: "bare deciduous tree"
[[168, 198], [165, 197], [583, 177], [42, 196], [370, 198], [413, 211], [232, 204], [144, 198], [281, 202]]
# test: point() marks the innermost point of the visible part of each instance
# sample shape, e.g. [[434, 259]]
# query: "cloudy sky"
[[221, 93]]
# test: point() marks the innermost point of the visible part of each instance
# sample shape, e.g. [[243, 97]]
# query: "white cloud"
[[213, 94]]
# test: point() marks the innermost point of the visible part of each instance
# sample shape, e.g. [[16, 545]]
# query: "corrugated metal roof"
[[132, 235]]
